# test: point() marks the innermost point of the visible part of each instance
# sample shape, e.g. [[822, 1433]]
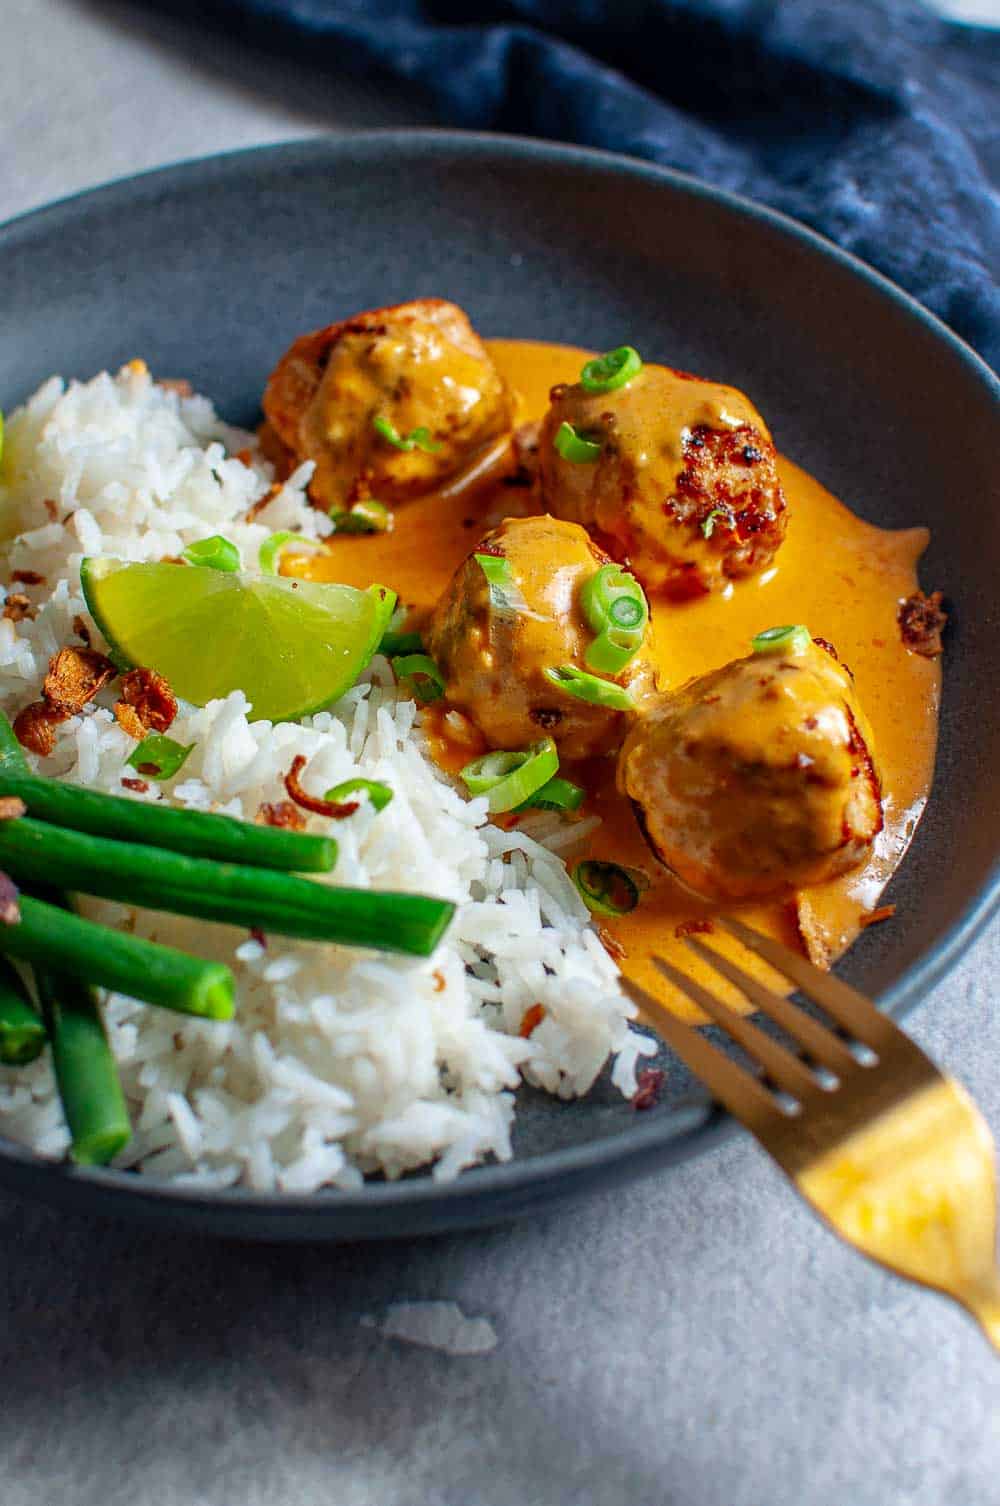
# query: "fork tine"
[[822, 1045], [733, 1087], [842, 1003], [777, 1061]]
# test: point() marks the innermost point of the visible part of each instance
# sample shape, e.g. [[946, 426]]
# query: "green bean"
[[52, 937], [249, 897], [22, 1034], [85, 1069], [197, 833]]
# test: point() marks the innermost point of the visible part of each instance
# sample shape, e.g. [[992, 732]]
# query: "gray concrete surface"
[[696, 1339]]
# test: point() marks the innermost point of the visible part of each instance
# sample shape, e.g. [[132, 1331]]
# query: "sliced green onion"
[[496, 569], [791, 639], [557, 795], [215, 552], [395, 641], [364, 517], [509, 779], [615, 606], [611, 651], [417, 439], [159, 757], [607, 587], [506, 595], [272, 549], [628, 612], [575, 446], [612, 370], [606, 888], [585, 687], [379, 794], [418, 676], [401, 643], [708, 524]]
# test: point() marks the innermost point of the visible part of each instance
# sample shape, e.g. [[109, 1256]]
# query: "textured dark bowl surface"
[[207, 269]]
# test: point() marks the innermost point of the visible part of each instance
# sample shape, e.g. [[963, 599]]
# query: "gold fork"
[[892, 1153]]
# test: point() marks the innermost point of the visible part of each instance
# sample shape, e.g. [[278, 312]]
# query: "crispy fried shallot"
[[281, 813], [75, 676], [875, 917], [922, 620], [151, 698], [650, 1083], [34, 727], [17, 608], [335, 809]]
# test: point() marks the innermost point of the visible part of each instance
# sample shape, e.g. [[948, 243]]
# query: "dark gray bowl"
[[207, 269]]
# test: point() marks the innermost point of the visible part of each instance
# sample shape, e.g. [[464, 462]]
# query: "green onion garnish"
[[612, 650], [401, 643], [1, 433], [575, 446], [505, 594], [615, 606], [628, 612], [557, 795], [791, 639], [611, 597], [509, 779], [606, 888], [379, 794], [708, 524], [364, 517], [272, 549], [585, 687], [158, 757], [418, 676], [417, 439], [395, 641], [612, 370], [215, 552], [495, 568]]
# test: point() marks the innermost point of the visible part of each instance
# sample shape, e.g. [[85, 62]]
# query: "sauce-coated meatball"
[[419, 366], [685, 489], [757, 778], [493, 655]]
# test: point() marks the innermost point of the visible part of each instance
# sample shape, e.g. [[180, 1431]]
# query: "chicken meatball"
[[684, 487], [495, 641], [758, 778], [391, 403]]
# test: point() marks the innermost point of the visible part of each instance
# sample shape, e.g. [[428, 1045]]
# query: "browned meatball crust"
[[686, 488], [493, 659], [758, 778], [418, 365]]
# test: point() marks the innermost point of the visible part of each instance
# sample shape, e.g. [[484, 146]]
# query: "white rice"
[[338, 1062]]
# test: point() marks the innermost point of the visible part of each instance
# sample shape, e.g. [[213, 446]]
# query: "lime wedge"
[[292, 646]]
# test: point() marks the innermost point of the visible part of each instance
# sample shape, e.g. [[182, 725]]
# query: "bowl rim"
[[690, 1128]]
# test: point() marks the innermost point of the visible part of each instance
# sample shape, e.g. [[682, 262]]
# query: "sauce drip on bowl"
[[842, 577]]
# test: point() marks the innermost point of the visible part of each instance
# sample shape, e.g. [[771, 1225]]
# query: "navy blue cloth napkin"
[[875, 121]]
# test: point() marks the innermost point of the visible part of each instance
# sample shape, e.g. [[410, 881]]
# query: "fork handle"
[[983, 1302]]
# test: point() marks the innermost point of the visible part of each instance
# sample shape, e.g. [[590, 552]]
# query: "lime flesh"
[[291, 646]]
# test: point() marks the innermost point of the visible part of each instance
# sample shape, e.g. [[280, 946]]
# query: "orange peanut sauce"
[[842, 577]]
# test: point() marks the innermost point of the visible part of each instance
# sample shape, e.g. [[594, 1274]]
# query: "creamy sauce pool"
[[840, 576]]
